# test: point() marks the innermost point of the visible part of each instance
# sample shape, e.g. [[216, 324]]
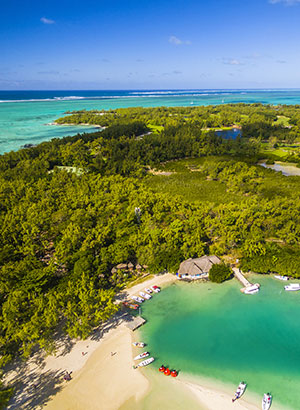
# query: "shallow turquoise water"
[[24, 114], [216, 332]]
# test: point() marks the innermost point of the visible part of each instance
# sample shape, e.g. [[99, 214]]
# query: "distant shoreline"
[[77, 125]]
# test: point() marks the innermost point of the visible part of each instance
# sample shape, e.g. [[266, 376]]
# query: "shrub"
[[220, 273]]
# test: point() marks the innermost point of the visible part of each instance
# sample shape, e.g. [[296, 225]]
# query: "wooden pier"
[[240, 277], [135, 323]]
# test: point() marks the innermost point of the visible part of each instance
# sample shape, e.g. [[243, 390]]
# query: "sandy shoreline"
[[40, 379], [215, 399], [102, 372], [106, 381]]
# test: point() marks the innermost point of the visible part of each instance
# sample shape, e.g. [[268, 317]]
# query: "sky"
[[149, 44]]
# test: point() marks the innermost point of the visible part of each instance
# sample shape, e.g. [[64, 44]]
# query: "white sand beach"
[[215, 399], [107, 380], [102, 373], [40, 379]]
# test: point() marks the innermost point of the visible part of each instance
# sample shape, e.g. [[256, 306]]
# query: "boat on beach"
[[138, 344], [148, 290], [141, 356], [131, 305], [138, 299], [239, 391], [292, 287], [266, 401], [145, 295], [281, 277], [146, 362], [155, 288]]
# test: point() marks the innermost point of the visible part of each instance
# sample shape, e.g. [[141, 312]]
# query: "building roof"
[[198, 266], [121, 266]]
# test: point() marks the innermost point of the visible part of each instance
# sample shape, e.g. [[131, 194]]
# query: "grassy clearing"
[[156, 129], [190, 183], [275, 184], [279, 153], [282, 120]]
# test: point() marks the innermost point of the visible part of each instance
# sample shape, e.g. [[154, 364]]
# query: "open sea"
[[217, 333], [25, 115]]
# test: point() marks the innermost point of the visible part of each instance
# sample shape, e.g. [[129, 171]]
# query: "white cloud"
[[286, 2], [177, 42], [231, 61], [47, 21]]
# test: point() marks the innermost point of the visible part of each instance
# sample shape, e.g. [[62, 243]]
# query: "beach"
[[107, 379], [103, 377], [40, 380]]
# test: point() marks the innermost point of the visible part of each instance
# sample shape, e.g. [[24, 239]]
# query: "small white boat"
[[138, 344], [281, 277], [292, 287], [266, 401], [239, 391], [145, 295], [155, 288], [146, 362], [251, 290], [141, 356], [148, 290], [138, 299]]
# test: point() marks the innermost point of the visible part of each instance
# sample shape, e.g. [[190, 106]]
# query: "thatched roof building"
[[199, 267], [121, 266]]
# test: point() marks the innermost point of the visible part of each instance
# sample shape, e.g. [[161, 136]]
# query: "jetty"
[[135, 322], [241, 278], [248, 288]]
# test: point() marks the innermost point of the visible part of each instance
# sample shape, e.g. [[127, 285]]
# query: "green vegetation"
[[5, 395], [63, 232], [219, 273]]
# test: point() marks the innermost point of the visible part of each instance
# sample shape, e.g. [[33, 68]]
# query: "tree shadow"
[[35, 390], [35, 387], [112, 323]]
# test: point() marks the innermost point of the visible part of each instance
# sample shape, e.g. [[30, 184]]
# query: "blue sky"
[[144, 44]]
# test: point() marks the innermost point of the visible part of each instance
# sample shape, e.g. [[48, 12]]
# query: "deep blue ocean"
[[26, 116]]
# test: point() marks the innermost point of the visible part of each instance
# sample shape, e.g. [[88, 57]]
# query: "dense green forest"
[[155, 187]]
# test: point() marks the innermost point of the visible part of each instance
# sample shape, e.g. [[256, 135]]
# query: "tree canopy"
[[68, 212]]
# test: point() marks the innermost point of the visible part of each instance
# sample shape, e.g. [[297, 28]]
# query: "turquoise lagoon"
[[217, 333], [24, 115]]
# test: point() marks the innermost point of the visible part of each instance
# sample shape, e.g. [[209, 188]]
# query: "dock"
[[241, 278], [135, 322]]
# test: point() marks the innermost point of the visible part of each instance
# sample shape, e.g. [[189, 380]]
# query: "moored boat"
[[148, 290], [239, 391], [146, 362], [266, 401], [145, 295], [292, 287], [155, 288], [138, 299], [251, 290], [141, 356], [281, 277], [138, 344]]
